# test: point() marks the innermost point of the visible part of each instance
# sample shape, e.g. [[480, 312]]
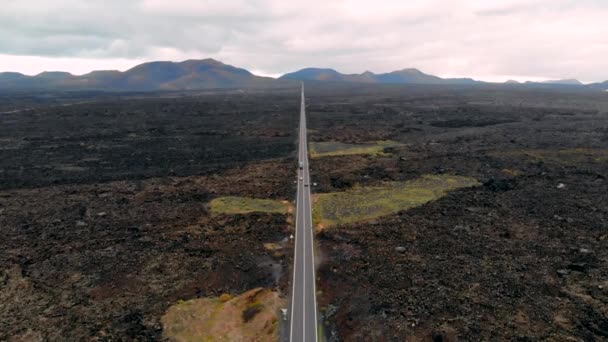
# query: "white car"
[[301, 178], [284, 314]]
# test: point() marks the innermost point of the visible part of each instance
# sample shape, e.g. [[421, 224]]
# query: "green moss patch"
[[243, 205], [335, 148], [364, 203]]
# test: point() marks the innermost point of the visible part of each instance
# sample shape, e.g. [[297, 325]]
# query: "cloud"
[[494, 40]]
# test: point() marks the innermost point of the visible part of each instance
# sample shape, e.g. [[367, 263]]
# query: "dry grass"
[[251, 316]]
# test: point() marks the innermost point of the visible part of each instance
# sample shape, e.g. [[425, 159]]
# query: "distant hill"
[[569, 81], [565, 84], [11, 76], [599, 86], [187, 75], [54, 75], [405, 76], [315, 74], [213, 74]]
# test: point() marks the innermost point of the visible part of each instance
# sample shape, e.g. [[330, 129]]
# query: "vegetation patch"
[[570, 156], [364, 203], [335, 148], [251, 316], [243, 205], [272, 246]]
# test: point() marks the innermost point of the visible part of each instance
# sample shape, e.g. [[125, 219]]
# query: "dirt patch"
[[251, 316]]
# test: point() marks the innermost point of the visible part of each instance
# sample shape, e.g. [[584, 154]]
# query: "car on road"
[[301, 165], [301, 178]]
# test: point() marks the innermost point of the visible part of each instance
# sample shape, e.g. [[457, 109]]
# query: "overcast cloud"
[[489, 40]]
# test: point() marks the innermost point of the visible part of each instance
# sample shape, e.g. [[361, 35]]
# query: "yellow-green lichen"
[[364, 203], [243, 205], [335, 148]]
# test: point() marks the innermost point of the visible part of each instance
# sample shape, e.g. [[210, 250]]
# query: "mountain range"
[[568, 81], [405, 76], [211, 74], [187, 75]]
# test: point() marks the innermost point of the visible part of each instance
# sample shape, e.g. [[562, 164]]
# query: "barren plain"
[[109, 225]]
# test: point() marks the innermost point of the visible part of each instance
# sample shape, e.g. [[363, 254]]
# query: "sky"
[[486, 40]]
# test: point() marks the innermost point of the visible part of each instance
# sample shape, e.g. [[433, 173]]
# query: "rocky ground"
[[106, 226], [104, 216], [521, 257]]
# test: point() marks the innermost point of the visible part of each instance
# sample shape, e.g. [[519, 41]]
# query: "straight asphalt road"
[[303, 316]]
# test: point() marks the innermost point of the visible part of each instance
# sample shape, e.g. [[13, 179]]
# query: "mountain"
[[11, 76], [600, 86], [187, 75], [408, 76], [511, 82], [54, 75], [315, 74], [210, 74], [330, 75], [405, 76], [569, 81]]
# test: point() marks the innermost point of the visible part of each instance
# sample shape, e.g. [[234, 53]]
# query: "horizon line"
[[262, 73]]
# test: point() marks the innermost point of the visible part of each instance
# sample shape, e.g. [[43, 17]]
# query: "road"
[[303, 315]]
